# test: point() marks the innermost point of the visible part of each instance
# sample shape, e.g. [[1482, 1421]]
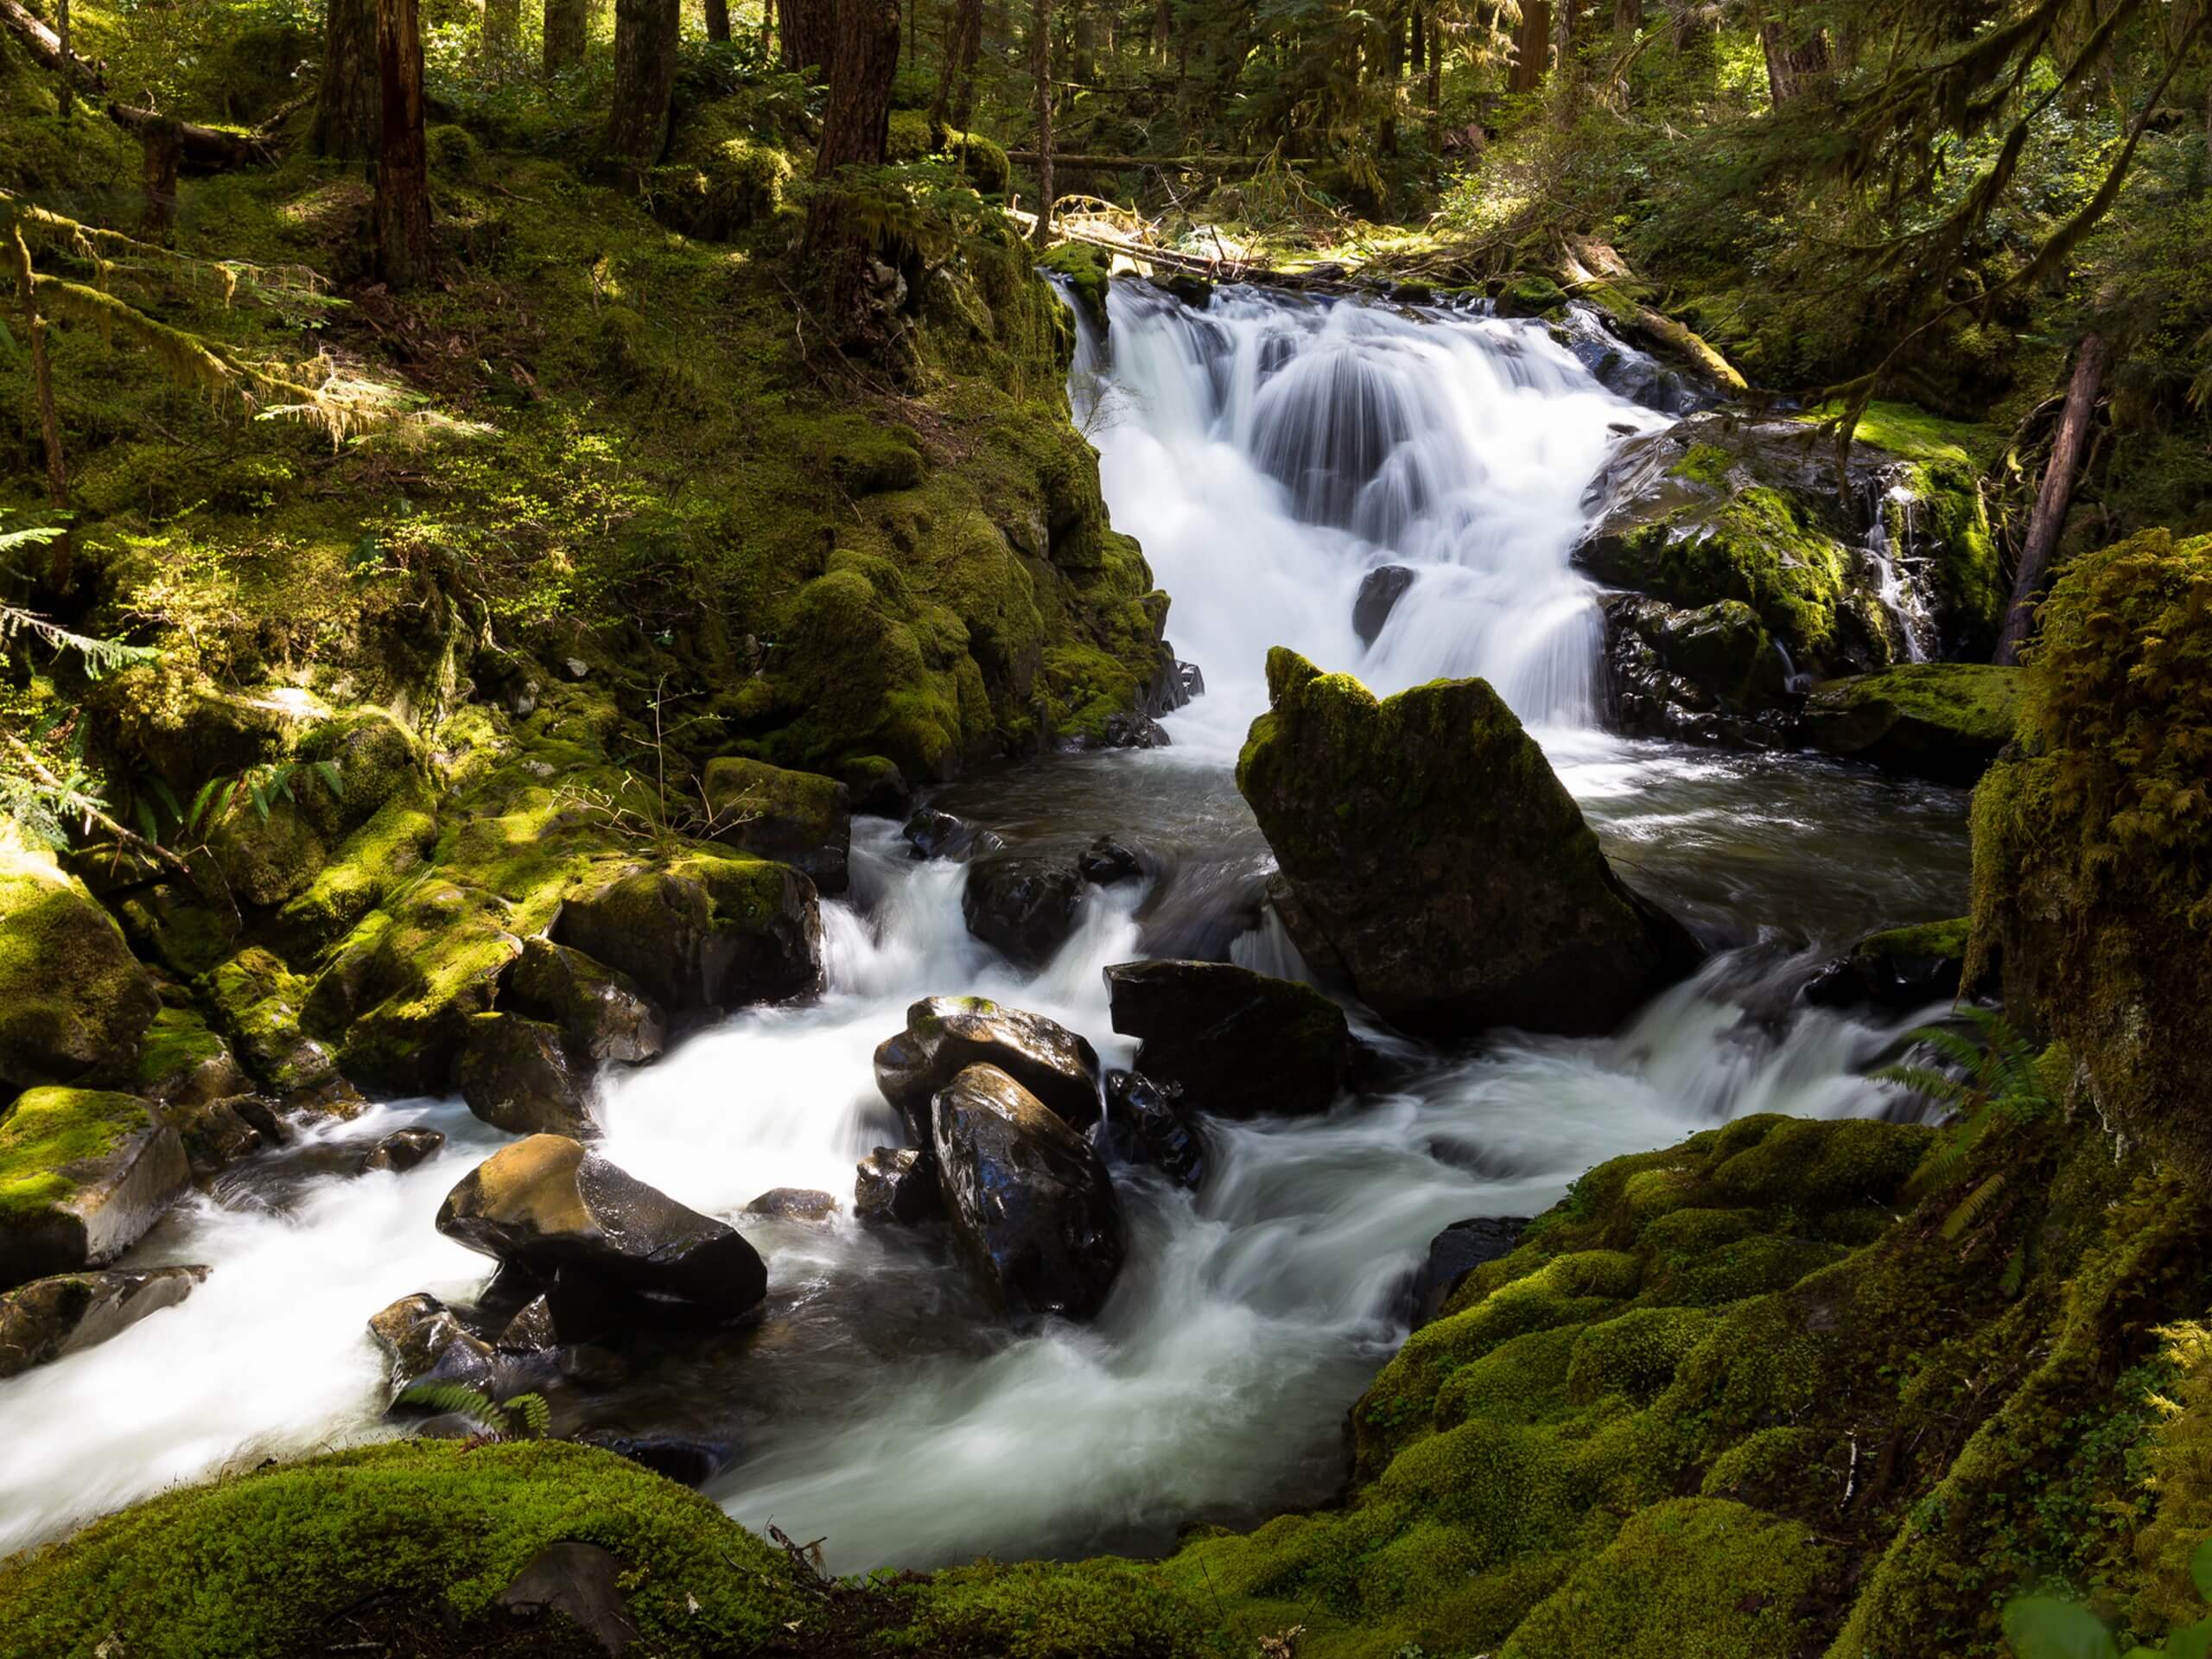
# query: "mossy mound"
[[1945, 720], [1086, 269], [74, 1002], [83, 1172]]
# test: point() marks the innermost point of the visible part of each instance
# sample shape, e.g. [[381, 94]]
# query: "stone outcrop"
[[51, 1318], [1431, 859], [799, 818], [1706, 675], [74, 1002], [704, 931], [516, 1076], [945, 1035], [1032, 1207], [1236, 1043], [83, 1174]]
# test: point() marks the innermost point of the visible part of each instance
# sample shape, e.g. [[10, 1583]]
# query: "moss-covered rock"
[[83, 1174], [1945, 720], [1085, 270], [1429, 856], [256, 1002], [1898, 968], [74, 1001], [799, 818], [702, 930], [183, 1062]]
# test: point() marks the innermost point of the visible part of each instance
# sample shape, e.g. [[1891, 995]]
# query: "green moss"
[[264, 1563], [1634, 1356], [1974, 700], [1926, 939], [1086, 269], [50, 1132], [1699, 1577], [256, 1002], [1706, 463], [1094, 1610], [177, 1045], [73, 1001]]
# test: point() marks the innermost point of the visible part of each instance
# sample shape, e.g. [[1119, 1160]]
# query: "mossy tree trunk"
[[403, 208], [718, 20], [1040, 69], [809, 27], [644, 84], [49, 418], [1796, 59], [163, 141], [2057, 491], [65, 99], [1627, 17], [956, 81], [855, 132], [502, 32], [1533, 46], [567, 22], [346, 121]]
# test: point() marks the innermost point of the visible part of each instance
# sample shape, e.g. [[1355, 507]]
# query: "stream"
[[1267, 452]]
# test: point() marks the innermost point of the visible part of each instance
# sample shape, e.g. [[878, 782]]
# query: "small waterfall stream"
[[1269, 453]]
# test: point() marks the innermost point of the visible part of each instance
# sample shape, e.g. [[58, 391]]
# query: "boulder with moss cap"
[[1942, 721], [74, 1001], [801, 819], [702, 930], [83, 1174], [1430, 857]]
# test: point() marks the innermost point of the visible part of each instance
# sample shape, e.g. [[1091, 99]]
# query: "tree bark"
[[1533, 49], [346, 108], [1792, 64], [49, 418], [403, 206], [1627, 17], [163, 139], [718, 20], [43, 44], [566, 24], [502, 31], [202, 149], [956, 82], [2057, 491], [66, 99], [855, 132], [1082, 44], [644, 84], [809, 27], [1040, 67]]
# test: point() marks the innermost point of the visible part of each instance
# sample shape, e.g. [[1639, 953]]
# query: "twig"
[[129, 838]]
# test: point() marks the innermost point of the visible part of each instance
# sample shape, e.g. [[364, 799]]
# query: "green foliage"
[[2054, 1627], [519, 1417], [2002, 1089]]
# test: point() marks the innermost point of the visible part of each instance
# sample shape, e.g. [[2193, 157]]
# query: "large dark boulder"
[[1452, 1254], [897, 1187], [1706, 675], [1236, 1043], [1943, 720], [1022, 906], [50, 1318], [703, 931], [83, 1174], [800, 818], [1032, 1206], [603, 1015], [515, 1075], [945, 1035], [1430, 858], [546, 1205]]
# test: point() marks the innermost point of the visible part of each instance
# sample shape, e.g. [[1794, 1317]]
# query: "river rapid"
[[1268, 451]]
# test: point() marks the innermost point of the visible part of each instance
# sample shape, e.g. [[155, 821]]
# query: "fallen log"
[[45, 45], [203, 149]]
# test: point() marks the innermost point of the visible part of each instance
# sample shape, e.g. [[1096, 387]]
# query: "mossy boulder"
[[1896, 968], [75, 1003], [83, 1174], [256, 1002], [1708, 674], [1431, 859], [602, 1015], [51, 1318], [799, 818], [272, 1561], [702, 930], [397, 994], [515, 1074], [721, 177], [184, 1063], [1086, 271], [1944, 721], [1238, 1043]]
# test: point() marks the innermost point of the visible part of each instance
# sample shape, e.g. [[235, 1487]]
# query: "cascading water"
[[1270, 453]]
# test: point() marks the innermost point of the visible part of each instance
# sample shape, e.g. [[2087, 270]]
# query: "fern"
[[97, 656], [523, 1417], [1996, 1088]]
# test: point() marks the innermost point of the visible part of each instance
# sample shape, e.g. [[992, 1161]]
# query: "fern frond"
[[97, 656], [1971, 1207], [537, 1416], [1926, 1080], [457, 1398]]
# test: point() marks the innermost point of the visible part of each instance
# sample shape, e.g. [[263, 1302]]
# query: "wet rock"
[[1236, 1043], [582, 1583], [1171, 686], [898, 1188], [794, 1204], [184, 1064], [84, 1174], [75, 1003], [1941, 720], [931, 834], [216, 1134], [1710, 676], [945, 1035], [1900, 967], [687, 1462], [703, 931], [50, 1318], [575, 1308], [1452, 1254], [548, 1206], [1030, 1202], [1146, 1123], [404, 1149], [602, 1015], [425, 1342], [1023, 906], [1430, 858], [1379, 594], [799, 818], [1106, 861], [878, 789], [515, 1075], [1127, 730]]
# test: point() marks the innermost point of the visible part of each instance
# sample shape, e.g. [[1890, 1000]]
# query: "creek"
[[1268, 451]]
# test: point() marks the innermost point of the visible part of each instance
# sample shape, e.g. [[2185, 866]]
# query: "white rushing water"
[[1269, 454]]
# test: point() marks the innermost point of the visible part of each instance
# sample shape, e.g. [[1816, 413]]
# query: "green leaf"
[[2048, 1627], [142, 810], [2190, 1640], [2200, 1569], [165, 795], [332, 779]]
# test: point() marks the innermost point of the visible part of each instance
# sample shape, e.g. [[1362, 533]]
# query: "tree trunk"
[[1533, 50], [767, 29], [346, 119], [718, 20], [956, 82], [1392, 76], [1040, 69], [644, 84], [855, 132], [809, 27], [566, 24], [403, 208], [1627, 17], [66, 97], [502, 32], [1084, 45], [163, 139], [45, 45], [49, 419], [1791, 67], [2057, 491]]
